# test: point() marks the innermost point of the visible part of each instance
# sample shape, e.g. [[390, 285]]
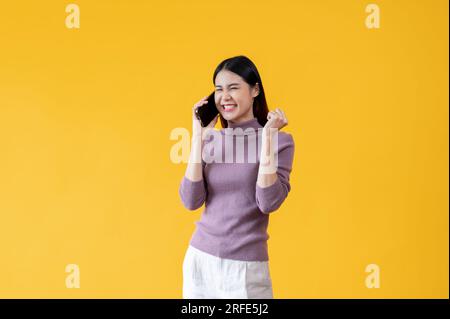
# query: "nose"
[[225, 96]]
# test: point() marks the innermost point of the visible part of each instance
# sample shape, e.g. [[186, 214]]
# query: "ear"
[[255, 90]]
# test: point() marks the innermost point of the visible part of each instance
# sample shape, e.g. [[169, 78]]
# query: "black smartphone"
[[207, 112]]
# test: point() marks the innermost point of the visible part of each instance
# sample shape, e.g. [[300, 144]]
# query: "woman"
[[227, 256]]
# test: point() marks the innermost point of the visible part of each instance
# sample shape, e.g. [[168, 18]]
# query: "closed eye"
[[232, 88]]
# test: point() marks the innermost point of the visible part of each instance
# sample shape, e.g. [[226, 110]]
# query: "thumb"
[[214, 121]]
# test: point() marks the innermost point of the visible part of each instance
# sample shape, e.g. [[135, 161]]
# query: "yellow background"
[[85, 119]]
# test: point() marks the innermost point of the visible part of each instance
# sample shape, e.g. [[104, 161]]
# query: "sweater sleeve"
[[193, 193], [270, 198]]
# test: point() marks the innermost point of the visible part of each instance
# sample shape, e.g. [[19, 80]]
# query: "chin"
[[229, 117]]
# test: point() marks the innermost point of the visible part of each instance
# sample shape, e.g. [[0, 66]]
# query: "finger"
[[200, 104], [271, 117], [276, 115], [284, 116], [281, 115], [202, 100]]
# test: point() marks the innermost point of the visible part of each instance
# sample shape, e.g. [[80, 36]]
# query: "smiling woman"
[[227, 256], [239, 91]]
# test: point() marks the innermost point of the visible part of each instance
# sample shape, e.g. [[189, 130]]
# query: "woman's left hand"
[[276, 120]]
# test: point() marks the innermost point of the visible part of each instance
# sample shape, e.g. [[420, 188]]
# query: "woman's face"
[[234, 97]]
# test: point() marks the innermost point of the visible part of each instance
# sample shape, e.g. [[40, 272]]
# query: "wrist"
[[269, 132]]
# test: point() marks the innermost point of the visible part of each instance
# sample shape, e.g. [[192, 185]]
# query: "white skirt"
[[211, 277]]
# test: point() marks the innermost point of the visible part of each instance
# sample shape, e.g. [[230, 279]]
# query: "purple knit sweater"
[[234, 223]]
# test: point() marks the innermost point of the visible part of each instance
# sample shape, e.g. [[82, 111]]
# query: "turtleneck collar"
[[248, 127]]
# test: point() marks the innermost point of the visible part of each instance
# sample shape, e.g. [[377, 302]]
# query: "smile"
[[229, 107]]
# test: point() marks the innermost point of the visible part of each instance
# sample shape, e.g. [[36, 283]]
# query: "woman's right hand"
[[197, 129]]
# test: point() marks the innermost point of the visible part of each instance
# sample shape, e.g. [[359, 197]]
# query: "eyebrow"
[[228, 85]]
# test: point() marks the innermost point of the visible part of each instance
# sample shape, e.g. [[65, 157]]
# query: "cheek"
[[217, 98], [242, 99], [238, 96]]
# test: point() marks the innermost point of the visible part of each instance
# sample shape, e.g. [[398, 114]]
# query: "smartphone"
[[207, 112]]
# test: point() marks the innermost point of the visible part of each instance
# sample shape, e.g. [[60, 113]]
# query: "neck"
[[251, 125], [253, 122]]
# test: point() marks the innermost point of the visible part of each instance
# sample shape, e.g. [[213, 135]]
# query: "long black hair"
[[245, 68]]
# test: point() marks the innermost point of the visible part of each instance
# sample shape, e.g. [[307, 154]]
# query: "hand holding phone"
[[197, 120], [207, 112]]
